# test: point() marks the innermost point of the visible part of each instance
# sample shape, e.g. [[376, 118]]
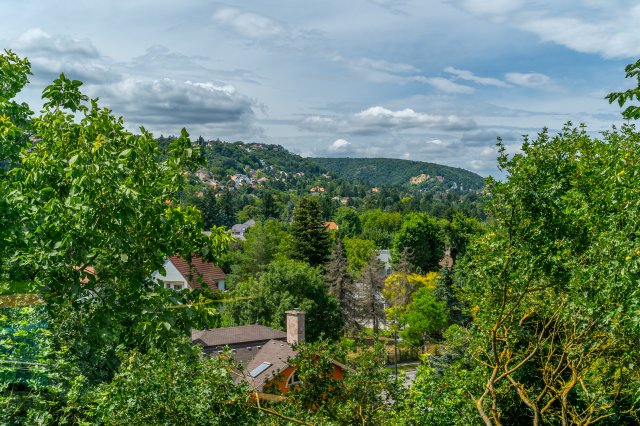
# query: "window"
[[293, 380], [175, 285], [259, 369]]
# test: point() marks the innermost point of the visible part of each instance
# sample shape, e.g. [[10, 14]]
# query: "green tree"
[[311, 242], [364, 396], [284, 285], [340, 285], [421, 234], [264, 242], [459, 233], [379, 226], [424, 318], [172, 387], [209, 209], [92, 213], [358, 252], [632, 112], [553, 286], [348, 222], [369, 299]]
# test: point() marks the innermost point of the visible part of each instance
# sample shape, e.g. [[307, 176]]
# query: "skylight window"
[[259, 369]]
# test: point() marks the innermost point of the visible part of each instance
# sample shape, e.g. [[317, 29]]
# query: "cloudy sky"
[[425, 80]]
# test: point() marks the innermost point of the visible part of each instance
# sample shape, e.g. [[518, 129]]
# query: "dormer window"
[[293, 379]]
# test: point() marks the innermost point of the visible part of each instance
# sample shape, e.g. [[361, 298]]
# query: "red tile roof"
[[199, 272]]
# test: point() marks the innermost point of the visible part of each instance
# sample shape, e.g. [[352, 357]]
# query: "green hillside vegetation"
[[393, 171]]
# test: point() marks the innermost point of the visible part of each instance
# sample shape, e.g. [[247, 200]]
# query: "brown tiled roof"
[[199, 272], [236, 335], [276, 353]]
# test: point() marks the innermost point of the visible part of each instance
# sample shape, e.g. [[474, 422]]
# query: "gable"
[[199, 272]]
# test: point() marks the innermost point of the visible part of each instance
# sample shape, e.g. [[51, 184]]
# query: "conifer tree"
[[311, 242], [370, 305], [340, 285]]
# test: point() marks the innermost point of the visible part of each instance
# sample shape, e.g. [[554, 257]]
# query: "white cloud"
[[248, 24], [378, 119], [444, 85], [168, 101], [469, 76], [407, 118], [339, 145], [588, 26], [51, 55], [489, 7], [617, 38], [532, 80], [36, 40]]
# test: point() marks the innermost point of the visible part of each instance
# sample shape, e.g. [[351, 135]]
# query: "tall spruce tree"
[[311, 242], [340, 285], [370, 304]]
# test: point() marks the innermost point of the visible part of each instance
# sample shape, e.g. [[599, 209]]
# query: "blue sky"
[[424, 80]]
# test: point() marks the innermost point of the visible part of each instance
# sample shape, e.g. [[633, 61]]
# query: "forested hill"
[[390, 171]]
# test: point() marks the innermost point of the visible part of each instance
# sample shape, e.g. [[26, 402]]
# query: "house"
[[179, 275], [264, 352], [385, 257], [331, 226], [317, 189], [239, 229]]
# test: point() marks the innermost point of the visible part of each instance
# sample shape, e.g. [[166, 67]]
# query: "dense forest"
[[518, 308], [385, 171]]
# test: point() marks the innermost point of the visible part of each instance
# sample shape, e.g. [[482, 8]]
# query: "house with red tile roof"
[[180, 274]]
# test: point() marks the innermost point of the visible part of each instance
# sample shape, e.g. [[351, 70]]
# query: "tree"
[[364, 396], [424, 317], [370, 303], [358, 252], [92, 213], [284, 285], [399, 289], [459, 233], [311, 242], [196, 390], [264, 242], [421, 234], [209, 209], [379, 226], [631, 112], [553, 286], [348, 222], [340, 285]]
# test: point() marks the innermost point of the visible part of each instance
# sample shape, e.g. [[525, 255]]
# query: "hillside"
[[389, 171]]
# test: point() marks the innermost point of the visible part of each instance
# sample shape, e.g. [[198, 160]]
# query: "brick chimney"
[[295, 326]]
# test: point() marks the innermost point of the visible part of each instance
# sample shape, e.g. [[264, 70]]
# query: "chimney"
[[295, 326]]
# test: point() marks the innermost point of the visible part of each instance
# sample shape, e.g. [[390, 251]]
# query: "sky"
[[425, 80]]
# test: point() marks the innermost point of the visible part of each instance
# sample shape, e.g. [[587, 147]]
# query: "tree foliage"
[[310, 239], [632, 112], [284, 285], [422, 235], [553, 286], [89, 211], [341, 286]]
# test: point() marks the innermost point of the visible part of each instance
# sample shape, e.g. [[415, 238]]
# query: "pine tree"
[[311, 242], [370, 304], [340, 285]]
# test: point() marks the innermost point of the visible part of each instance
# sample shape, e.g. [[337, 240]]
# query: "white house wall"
[[172, 274]]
